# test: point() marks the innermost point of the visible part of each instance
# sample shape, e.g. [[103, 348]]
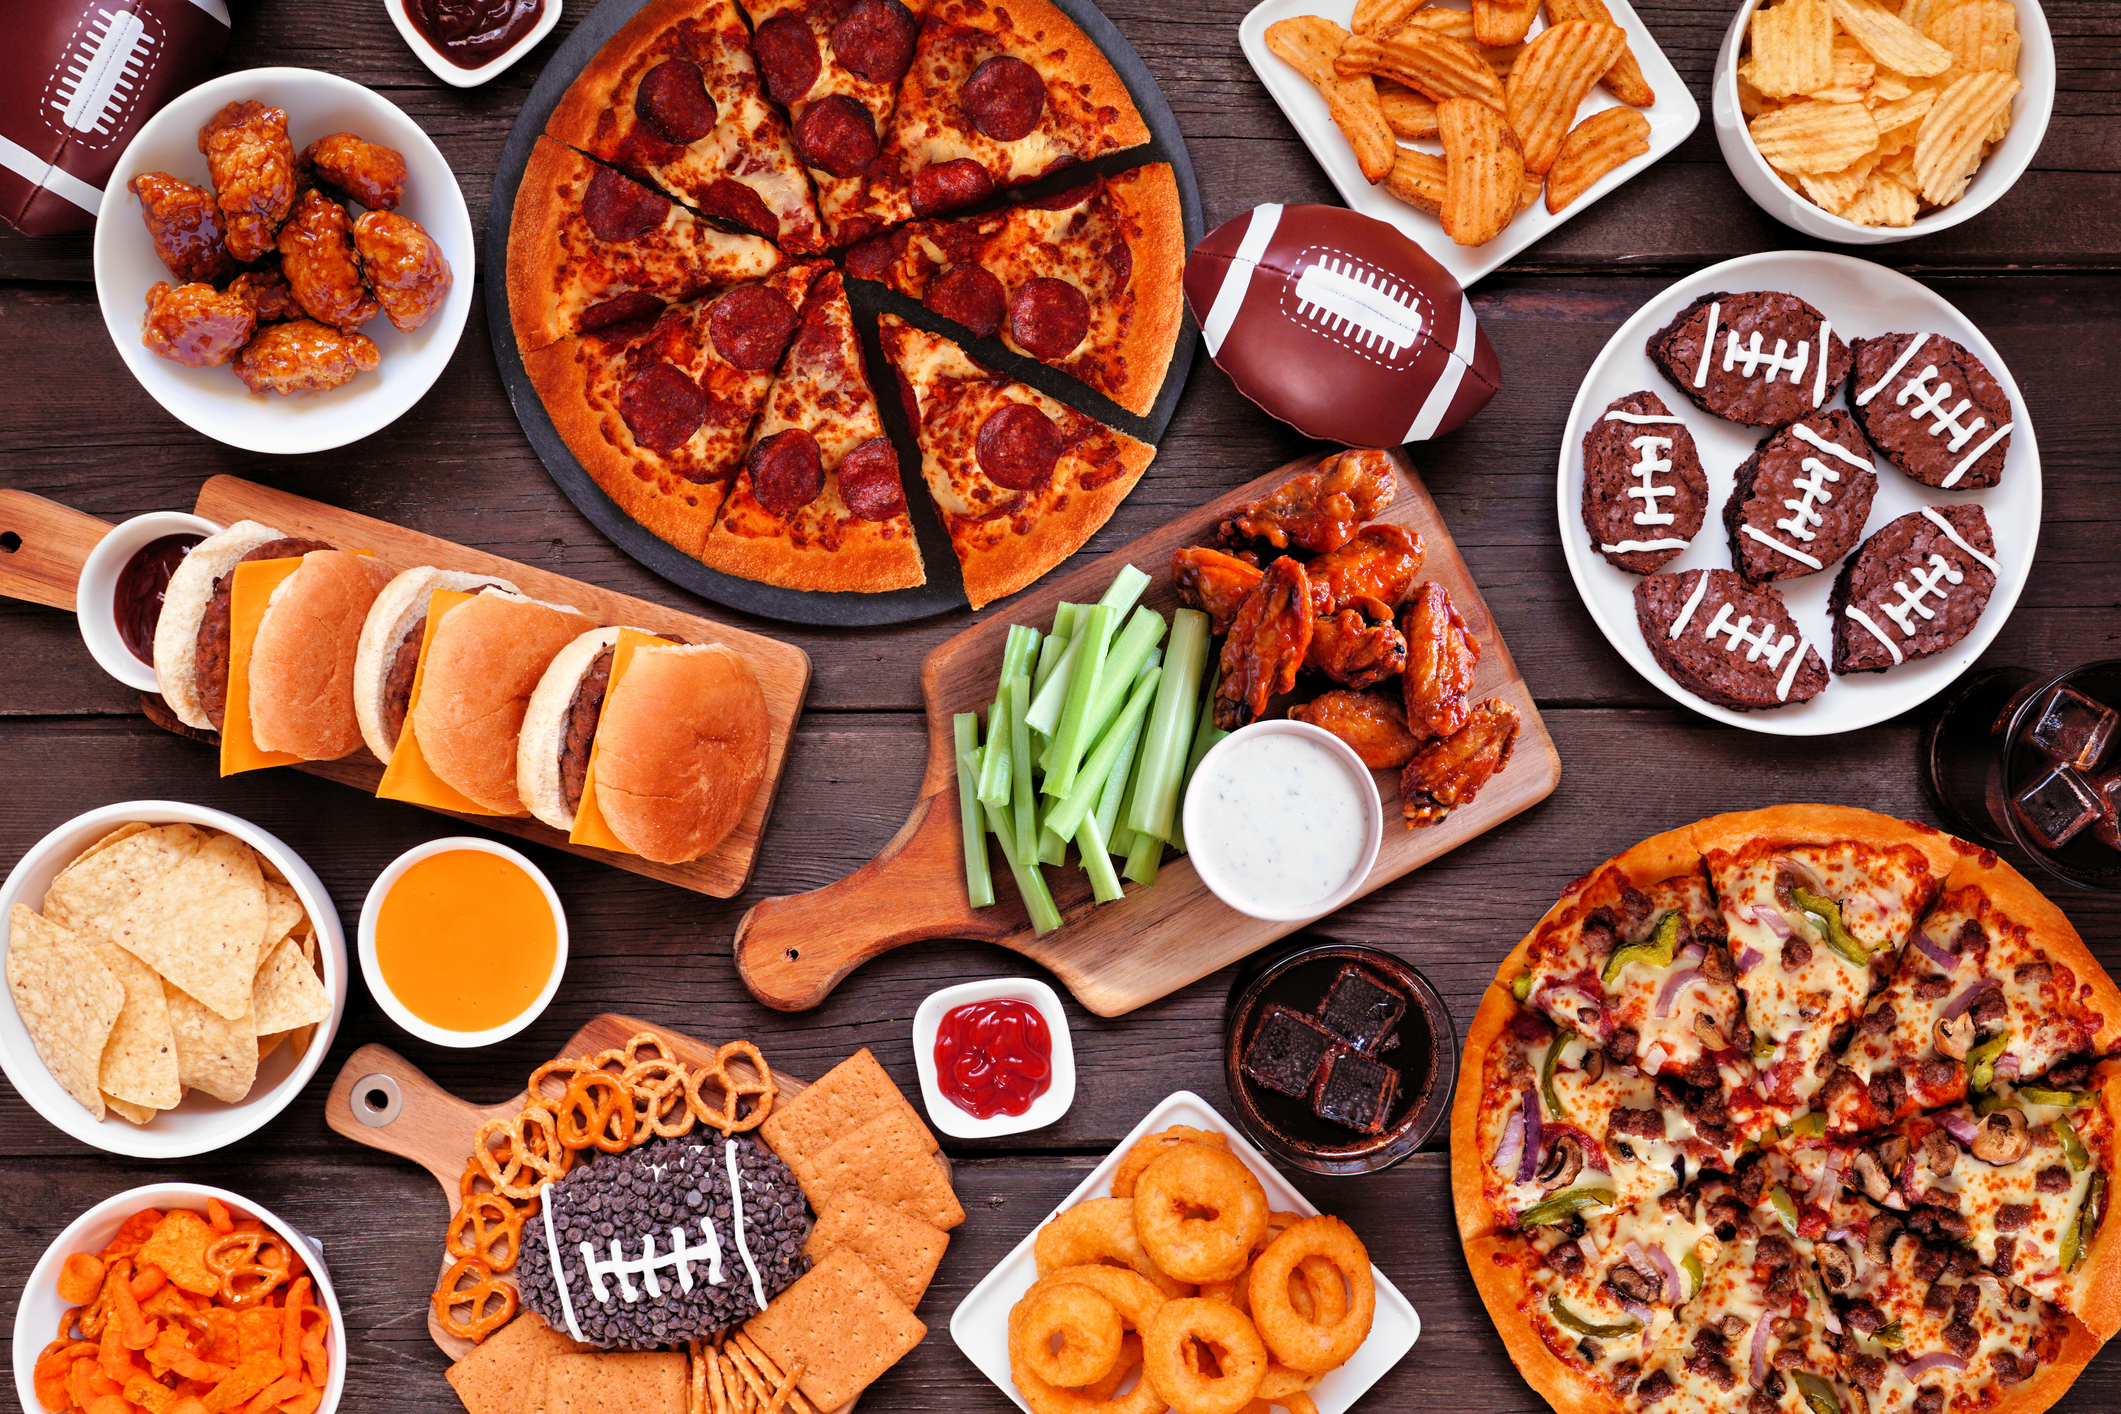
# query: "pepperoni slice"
[[873, 257], [787, 56], [616, 318], [949, 185], [1062, 200], [1017, 446], [1003, 97], [869, 481], [750, 326], [732, 201], [1048, 318], [673, 99], [836, 135], [875, 41], [787, 471], [969, 294], [619, 208], [662, 406]]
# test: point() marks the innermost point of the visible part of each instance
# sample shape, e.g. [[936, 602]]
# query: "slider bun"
[[681, 749], [184, 603], [545, 728], [302, 661], [483, 662], [401, 605]]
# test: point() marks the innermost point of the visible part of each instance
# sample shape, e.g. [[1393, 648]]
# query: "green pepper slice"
[[1892, 1335], [1762, 1046], [1825, 917], [2059, 1099], [2072, 1146], [1568, 1320], [1989, 1102], [1981, 1061], [1546, 1072], [1655, 951], [1817, 1393], [1785, 1207], [1521, 985], [1809, 1125], [2078, 1237], [1563, 1204], [1691, 1265]]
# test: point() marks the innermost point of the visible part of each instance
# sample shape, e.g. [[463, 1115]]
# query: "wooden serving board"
[[792, 951], [56, 540]]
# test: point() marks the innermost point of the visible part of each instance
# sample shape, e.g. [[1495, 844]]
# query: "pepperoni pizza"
[[1801, 1109]]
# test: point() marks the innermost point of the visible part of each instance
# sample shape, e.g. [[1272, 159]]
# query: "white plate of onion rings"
[[980, 1325]]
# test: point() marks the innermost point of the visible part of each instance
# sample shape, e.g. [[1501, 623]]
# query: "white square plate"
[[1671, 118], [980, 1325]]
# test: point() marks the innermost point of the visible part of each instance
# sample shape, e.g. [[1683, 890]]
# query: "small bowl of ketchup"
[[119, 598], [467, 42], [994, 1057]]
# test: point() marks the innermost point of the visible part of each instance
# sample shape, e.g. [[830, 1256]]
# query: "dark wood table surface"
[[2035, 272]]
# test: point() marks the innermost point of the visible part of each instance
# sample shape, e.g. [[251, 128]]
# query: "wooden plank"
[[1116, 956]]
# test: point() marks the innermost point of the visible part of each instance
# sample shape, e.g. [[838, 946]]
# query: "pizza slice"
[[588, 247], [1020, 480], [674, 99], [818, 504], [1994, 985], [997, 95], [1817, 901], [835, 65], [659, 410], [1087, 280]]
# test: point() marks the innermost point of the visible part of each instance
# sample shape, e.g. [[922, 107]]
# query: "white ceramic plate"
[[1860, 300], [213, 400], [1047, 1109], [37, 1313], [201, 1124], [980, 1325], [1672, 117]]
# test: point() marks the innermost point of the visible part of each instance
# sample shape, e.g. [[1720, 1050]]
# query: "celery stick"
[[1097, 863], [1038, 899], [1145, 858], [995, 765], [1049, 657], [1065, 617], [1129, 651], [979, 884], [1046, 709], [1052, 849], [1116, 781], [1125, 591], [1090, 780], [1205, 735], [1170, 730], [1023, 797], [1071, 736], [1020, 652]]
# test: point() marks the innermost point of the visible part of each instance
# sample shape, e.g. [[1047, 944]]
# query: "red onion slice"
[[1759, 1353], [1839, 1234], [2007, 1066], [1748, 958], [1936, 1360], [1961, 1128], [1812, 880], [1674, 1288], [1693, 953], [1968, 997], [1772, 920], [1528, 1163], [1944, 957], [1511, 1149], [1672, 987], [1640, 1312]]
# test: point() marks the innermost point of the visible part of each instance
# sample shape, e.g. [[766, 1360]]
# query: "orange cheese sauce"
[[466, 940]]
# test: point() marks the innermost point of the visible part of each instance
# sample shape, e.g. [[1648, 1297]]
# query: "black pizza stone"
[[1362, 1011], [1357, 1092], [1286, 1051]]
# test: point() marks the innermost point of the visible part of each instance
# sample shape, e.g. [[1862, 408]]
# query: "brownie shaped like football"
[[1915, 588], [1932, 409], [1800, 500], [1727, 641], [1762, 358], [1644, 492]]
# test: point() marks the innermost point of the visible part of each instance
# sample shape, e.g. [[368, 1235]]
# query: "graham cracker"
[[904, 1251], [886, 1160], [506, 1375], [841, 1323], [600, 1382], [850, 1094]]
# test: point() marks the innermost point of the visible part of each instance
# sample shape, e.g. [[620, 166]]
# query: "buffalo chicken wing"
[[1449, 772], [1372, 572], [1350, 649], [1441, 655], [1372, 724], [1320, 510], [1267, 643], [1213, 582]]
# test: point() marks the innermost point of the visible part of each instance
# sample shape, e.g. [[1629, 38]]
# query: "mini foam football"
[[1340, 326]]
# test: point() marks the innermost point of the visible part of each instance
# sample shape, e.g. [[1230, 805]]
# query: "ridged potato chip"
[[1418, 180], [1624, 80], [1793, 48], [1432, 64], [1530, 192], [1833, 191], [1891, 117], [1882, 202], [1458, 24], [1751, 101], [1309, 45], [1484, 171], [1914, 12], [1497, 22], [1814, 137], [1978, 34], [1559, 67], [1891, 40], [1376, 16], [1408, 114], [1888, 86], [1854, 69], [1593, 148], [1948, 145]]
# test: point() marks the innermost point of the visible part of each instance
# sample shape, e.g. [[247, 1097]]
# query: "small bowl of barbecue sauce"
[[118, 600], [467, 42], [1340, 1058]]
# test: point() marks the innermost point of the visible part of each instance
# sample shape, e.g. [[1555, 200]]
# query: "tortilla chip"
[[128, 1111], [904, 1251], [93, 890], [283, 913], [841, 1323], [202, 924], [178, 1246], [506, 1375], [214, 1054], [844, 1097], [67, 999], [887, 1161], [123, 832], [602, 1383], [140, 1058], [289, 992]]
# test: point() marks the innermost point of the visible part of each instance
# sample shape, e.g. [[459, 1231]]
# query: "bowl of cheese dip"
[[1283, 821]]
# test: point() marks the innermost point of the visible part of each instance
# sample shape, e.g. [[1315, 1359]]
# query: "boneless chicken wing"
[[1266, 646], [253, 169], [1320, 510], [196, 325], [1441, 656], [1213, 582], [303, 356], [404, 265], [266, 292], [185, 224], [1448, 773], [317, 255], [362, 171], [1373, 724]]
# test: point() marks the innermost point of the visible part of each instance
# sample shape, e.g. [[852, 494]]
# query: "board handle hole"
[[794, 956], [9, 542]]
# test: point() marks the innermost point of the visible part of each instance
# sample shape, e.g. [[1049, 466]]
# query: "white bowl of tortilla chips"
[[145, 943]]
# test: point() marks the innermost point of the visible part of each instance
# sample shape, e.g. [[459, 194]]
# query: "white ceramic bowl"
[[213, 400], [201, 1124], [469, 78], [943, 1113], [94, 598], [1197, 805], [373, 971], [2029, 115], [37, 1313]]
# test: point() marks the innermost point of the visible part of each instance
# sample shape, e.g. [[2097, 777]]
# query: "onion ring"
[[1151, 1147], [1296, 1342], [1169, 1358], [1106, 1386], [1295, 1402], [1137, 1299], [1066, 1334], [1099, 1230], [1200, 1212], [1133, 1295]]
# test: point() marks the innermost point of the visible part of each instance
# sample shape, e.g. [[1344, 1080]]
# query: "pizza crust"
[[1827, 824], [1504, 1291], [2022, 903], [534, 252], [1149, 195], [2099, 1273], [1468, 1183], [870, 557]]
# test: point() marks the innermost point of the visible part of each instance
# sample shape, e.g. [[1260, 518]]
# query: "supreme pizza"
[[704, 364], [1802, 1109]]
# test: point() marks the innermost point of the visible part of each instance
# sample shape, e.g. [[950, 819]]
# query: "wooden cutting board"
[[55, 540], [792, 951]]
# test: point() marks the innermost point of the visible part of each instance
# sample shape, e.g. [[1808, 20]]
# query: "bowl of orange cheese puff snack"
[[179, 1299]]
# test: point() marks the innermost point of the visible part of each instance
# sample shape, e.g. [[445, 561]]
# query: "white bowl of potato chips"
[[174, 977], [1867, 121]]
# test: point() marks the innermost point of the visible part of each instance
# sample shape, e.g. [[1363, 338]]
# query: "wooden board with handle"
[[792, 951], [55, 540]]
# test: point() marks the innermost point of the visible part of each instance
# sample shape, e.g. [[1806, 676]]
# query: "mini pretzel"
[[251, 1265], [596, 1110], [483, 1318], [490, 1228], [533, 1155], [565, 1069], [659, 1092], [729, 1119]]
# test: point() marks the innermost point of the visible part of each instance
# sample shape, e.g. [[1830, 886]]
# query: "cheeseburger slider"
[[678, 733], [389, 651]]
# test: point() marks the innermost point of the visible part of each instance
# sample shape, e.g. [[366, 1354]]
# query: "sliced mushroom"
[[1878, 1243], [2002, 1138], [1632, 1284], [1708, 1032], [1835, 1268], [1892, 1152], [1873, 1178], [1939, 1152], [1955, 1037], [1593, 1064], [1735, 1327], [1563, 1161]]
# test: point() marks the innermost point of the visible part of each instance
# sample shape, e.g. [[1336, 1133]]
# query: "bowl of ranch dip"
[[1283, 821]]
